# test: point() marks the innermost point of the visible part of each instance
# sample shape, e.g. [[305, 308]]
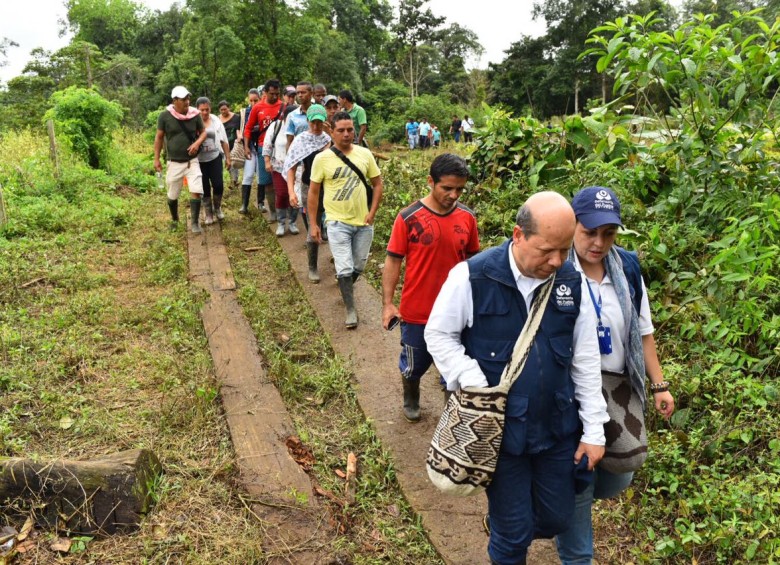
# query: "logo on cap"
[[603, 201]]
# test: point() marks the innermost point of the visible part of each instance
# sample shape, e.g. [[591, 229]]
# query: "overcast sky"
[[497, 23]]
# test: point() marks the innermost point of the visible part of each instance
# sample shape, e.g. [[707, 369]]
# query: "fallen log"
[[103, 496]]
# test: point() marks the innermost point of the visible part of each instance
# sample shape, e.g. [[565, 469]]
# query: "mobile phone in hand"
[[393, 323]]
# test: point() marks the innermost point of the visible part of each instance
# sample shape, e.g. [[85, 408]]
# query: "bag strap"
[[358, 172], [526, 339], [186, 132]]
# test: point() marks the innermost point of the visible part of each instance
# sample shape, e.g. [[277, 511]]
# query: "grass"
[[102, 349]]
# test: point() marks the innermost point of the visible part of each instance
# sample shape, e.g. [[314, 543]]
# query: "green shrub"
[[86, 121]]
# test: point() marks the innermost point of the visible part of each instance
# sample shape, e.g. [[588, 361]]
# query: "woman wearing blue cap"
[[627, 346]]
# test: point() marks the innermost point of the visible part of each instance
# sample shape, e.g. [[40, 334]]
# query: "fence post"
[[3, 217], [53, 149]]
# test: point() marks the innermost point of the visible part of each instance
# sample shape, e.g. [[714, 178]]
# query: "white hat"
[[179, 92]]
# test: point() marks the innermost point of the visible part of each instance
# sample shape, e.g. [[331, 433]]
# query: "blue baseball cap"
[[596, 206]]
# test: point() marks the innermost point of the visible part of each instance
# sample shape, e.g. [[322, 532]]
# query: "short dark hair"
[[341, 115], [525, 221], [202, 100], [223, 103], [320, 86], [272, 83], [448, 164], [346, 95], [305, 83]]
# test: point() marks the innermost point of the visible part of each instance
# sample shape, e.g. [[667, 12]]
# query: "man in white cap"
[[182, 129]]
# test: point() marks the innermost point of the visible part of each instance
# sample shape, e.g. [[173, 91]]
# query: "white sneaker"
[[293, 228], [280, 228]]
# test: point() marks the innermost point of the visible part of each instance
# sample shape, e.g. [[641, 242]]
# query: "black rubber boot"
[[246, 190], [173, 206], [411, 399], [218, 213], [356, 275], [312, 250], [347, 294], [208, 209], [261, 197], [195, 213]]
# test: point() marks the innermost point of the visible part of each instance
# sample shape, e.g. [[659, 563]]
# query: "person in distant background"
[[466, 126], [357, 113], [263, 114], [182, 131], [320, 92], [455, 128], [232, 123], [214, 147]]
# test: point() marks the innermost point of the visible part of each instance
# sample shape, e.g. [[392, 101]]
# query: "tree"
[[5, 45], [415, 28], [112, 25], [568, 23], [521, 80]]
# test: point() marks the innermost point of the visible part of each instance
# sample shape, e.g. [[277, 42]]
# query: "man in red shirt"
[[434, 234], [263, 114]]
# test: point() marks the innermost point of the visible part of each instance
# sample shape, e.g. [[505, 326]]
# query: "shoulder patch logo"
[[563, 297]]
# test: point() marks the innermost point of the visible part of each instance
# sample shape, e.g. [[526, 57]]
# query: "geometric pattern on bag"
[[626, 434], [464, 449], [467, 439]]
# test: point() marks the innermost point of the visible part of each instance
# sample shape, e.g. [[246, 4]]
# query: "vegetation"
[[102, 349], [681, 123]]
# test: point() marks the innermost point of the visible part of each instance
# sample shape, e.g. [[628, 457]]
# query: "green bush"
[[86, 120]]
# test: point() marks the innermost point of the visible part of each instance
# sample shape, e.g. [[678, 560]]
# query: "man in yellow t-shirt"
[[350, 214]]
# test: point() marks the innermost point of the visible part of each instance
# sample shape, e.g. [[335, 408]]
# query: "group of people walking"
[[461, 309], [305, 151]]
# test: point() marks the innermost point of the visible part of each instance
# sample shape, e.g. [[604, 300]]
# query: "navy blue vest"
[[541, 409], [633, 275]]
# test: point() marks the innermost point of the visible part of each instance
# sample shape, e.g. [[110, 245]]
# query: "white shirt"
[[612, 317], [453, 311]]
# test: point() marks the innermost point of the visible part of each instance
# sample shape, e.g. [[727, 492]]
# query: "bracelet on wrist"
[[663, 386]]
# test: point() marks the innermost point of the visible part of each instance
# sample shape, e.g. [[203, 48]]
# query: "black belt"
[[179, 161], [613, 374]]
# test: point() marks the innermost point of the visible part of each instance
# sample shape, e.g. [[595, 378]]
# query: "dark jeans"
[[212, 177], [531, 495]]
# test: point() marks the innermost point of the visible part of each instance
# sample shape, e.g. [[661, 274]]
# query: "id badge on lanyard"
[[603, 332]]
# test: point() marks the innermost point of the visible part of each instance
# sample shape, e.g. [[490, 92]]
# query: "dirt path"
[[259, 422]]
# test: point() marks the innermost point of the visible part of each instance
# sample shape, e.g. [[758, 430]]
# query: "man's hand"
[[293, 199], [247, 152], [389, 311], [228, 162], [314, 231], [193, 149], [594, 453], [269, 168], [157, 165]]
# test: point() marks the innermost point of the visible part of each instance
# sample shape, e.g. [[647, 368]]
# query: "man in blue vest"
[[555, 411]]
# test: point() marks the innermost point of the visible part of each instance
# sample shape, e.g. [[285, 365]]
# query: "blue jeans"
[[256, 166], [532, 495], [414, 360], [575, 545], [350, 246]]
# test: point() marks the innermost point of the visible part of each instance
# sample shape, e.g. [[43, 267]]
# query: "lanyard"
[[596, 305]]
